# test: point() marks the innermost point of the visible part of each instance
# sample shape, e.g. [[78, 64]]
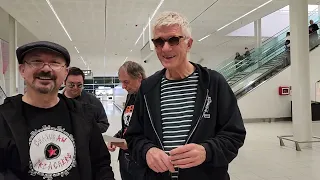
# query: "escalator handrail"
[[262, 76], [278, 46], [262, 58]]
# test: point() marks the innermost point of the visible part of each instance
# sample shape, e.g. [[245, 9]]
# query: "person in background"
[[247, 56], [186, 123], [130, 75], [287, 50], [74, 89], [313, 35], [43, 134], [237, 62], [247, 52]]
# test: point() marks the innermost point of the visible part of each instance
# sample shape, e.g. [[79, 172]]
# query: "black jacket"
[[217, 125], [93, 158], [102, 118]]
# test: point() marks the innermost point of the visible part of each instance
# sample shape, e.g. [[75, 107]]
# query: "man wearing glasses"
[[74, 89], [44, 135], [186, 123]]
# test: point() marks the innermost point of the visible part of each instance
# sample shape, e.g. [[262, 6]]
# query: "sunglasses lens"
[[158, 42], [173, 41]]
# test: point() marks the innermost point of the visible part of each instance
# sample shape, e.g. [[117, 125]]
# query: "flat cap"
[[24, 49]]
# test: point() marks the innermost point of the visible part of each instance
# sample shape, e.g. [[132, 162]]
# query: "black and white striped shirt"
[[177, 106]]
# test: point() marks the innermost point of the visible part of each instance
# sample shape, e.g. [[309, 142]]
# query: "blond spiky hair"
[[169, 18]]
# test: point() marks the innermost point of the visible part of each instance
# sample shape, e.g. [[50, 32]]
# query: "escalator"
[[262, 74], [263, 63]]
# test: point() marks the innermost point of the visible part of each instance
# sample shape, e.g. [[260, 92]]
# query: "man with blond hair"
[[186, 123]]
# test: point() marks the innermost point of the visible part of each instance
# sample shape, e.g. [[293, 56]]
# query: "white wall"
[[264, 102]]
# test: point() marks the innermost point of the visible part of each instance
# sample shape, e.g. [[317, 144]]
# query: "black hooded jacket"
[[217, 125], [93, 158]]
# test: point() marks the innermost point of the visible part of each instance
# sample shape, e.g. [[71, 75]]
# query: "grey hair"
[[133, 69], [169, 18]]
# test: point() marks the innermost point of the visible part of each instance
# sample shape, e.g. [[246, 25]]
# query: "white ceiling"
[[85, 22]]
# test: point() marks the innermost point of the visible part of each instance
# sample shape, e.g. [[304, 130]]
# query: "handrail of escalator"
[[239, 93], [279, 48], [263, 50], [279, 53], [270, 57], [258, 59], [273, 48]]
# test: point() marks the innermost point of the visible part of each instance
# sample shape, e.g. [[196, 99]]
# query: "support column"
[[10, 76], [257, 32], [300, 73]]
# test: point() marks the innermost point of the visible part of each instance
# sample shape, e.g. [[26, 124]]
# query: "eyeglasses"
[[39, 65], [173, 41], [71, 85]]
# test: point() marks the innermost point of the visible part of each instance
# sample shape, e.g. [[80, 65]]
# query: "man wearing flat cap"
[[44, 135]]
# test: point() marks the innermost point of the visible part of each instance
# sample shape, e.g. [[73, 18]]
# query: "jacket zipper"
[[201, 115], [154, 129]]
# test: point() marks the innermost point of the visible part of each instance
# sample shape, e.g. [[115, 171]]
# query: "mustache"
[[45, 74]]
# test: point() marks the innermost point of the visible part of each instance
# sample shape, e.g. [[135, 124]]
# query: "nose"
[[166, 47]]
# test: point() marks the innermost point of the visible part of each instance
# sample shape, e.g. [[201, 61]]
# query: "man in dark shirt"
[[74, 89], [44, 135]]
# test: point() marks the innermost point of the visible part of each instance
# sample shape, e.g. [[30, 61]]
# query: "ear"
[[189, 44], [22, 69]]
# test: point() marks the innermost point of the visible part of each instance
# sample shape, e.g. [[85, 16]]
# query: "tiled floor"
[[261, 158]]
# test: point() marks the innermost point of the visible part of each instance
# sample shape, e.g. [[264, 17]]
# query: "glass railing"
[[270, 48], [3, 95], [254, 79], [273, 63]]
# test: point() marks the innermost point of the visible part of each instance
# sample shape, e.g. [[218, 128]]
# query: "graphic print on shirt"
[[127, 114], [52, 152], [127, 117]]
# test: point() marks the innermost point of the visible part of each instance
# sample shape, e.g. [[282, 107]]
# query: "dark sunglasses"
[[172, 41]]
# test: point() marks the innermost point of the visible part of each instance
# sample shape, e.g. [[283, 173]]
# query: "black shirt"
[[52, 146], [102, 119]]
